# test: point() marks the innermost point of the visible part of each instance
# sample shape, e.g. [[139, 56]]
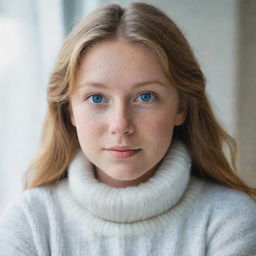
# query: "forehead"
[[120, 60]]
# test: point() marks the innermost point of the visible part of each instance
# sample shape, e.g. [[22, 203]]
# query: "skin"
[[123, 113]]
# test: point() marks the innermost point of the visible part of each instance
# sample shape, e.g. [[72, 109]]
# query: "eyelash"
[[99, 94]]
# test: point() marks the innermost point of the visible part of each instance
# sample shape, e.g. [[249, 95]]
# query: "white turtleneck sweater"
[[173, 213]]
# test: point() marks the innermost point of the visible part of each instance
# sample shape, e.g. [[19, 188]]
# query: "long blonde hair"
[[144, 24]]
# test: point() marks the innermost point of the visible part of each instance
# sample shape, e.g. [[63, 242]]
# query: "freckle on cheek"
[[161, 122]]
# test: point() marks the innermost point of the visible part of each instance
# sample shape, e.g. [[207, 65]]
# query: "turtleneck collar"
[[131, 204]]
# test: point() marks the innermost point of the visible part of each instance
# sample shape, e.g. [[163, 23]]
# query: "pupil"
[[146, 96], [96, 98]]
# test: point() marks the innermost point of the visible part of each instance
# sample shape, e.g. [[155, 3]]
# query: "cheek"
[[159, 123], [89, 134], [162, 128], [89, 129], [158, 131], [88, 125]]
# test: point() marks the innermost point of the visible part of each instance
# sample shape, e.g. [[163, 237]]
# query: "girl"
[[132, 159]]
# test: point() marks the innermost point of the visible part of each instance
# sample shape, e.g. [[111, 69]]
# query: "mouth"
[[120, 154], [122, 148]]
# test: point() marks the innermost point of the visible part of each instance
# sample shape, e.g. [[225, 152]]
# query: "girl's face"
[[123, 98]]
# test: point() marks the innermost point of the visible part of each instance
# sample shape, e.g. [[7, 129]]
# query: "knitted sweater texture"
[[173, 213]]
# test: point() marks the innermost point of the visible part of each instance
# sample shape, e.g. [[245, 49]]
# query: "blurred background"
[[222, 34]]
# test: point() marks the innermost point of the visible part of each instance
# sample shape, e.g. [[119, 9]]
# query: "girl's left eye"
[[97, 98]]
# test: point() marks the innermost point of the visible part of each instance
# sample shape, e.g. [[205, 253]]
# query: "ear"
[[72, 119], [181, 115]]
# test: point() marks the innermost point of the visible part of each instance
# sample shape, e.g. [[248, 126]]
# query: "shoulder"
[[225, 199], [28, 201], [231, 219], [222, 202], [218, 203], [22, 220]]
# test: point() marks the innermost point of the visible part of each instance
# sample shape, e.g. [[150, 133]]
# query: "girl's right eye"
[[96, 98]]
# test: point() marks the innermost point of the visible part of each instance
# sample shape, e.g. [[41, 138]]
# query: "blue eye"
[[96, 98], [146, 97]]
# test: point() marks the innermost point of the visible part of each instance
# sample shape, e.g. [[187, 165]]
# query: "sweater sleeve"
[[233, 232], [15, 232]]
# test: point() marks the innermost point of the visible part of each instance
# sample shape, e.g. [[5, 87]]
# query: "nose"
[[121, 121]]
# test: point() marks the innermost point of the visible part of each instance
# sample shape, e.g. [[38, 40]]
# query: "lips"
[[122, 148], [123, 153]]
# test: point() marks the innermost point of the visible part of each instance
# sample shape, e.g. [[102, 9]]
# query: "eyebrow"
[[136, 85]]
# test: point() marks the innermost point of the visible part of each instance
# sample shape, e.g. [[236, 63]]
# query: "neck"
[[102, 177]]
